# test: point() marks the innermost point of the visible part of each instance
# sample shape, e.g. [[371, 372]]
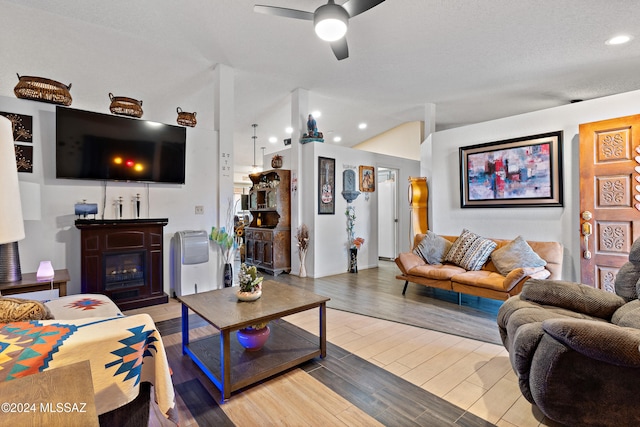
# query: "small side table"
[[29, 283]]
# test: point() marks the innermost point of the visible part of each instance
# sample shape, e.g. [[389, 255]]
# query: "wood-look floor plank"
[[202, 407], [376, 293]]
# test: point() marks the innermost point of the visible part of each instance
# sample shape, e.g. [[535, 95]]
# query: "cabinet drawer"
[[263, 235]]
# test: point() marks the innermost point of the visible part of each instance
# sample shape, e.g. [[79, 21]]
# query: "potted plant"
[[356, 244], [253, 337], [228, 244], [250, 283]]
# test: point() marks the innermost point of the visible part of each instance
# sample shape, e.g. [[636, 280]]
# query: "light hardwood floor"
[[474, 375]]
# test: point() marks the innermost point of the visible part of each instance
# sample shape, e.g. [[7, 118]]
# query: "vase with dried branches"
[[303, 244]]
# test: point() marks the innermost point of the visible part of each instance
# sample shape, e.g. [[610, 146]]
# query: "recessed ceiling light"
[[337, 139], [621, 39], [362, 126], [316, 114], [289, 130]]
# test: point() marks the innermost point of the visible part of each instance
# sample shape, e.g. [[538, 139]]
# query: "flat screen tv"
[[104, 147]]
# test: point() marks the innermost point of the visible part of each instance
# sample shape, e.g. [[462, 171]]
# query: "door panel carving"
[[607, 278], [614, 191], [614, 145], [614, 238]]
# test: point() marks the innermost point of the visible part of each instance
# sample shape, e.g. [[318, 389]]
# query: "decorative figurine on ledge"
[[312, 134]]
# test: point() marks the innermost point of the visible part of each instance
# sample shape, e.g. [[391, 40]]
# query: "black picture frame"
[[520, 172], [326, 186]]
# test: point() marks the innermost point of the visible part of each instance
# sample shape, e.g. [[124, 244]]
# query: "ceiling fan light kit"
[[330, 22]]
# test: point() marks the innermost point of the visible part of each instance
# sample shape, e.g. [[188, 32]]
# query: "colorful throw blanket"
[[123, 351]]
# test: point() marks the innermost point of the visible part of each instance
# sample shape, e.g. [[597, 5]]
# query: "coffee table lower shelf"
[[283, 350]]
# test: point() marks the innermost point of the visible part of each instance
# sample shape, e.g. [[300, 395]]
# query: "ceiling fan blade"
[[283, 11], [356, 7], [340, 48]]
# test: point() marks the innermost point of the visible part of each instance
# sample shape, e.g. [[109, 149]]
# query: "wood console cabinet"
[[123, 259], [268, 237]]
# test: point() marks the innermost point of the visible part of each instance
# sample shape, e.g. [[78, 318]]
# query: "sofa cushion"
[[515, 254], [481, 279], [572, 296], [470, 251], [627, 282], [437, 272], [408, 260], [21, 310], [597, 340], [628, 315], [432, 248]]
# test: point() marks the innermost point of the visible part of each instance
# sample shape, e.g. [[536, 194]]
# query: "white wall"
[[547, 224], [54, 237], [328, 252]]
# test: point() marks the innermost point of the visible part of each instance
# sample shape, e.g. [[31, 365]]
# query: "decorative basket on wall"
[[41, 89], [124, 106], [186, 119]]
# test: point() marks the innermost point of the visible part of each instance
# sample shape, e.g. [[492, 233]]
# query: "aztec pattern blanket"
[[123, 351]]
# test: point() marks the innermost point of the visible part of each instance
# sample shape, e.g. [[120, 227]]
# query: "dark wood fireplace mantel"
[[123, 259]]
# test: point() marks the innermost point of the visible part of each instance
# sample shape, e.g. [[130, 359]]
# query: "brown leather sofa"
[[486, 282]]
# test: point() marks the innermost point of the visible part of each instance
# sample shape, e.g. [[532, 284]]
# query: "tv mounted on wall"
[[99, 146]]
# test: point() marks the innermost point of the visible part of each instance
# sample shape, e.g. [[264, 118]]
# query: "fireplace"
[[123, 270], [123, 259]]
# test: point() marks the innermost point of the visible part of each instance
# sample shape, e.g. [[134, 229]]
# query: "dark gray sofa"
[[576, 349]]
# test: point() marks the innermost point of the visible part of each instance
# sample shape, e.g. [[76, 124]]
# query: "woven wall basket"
[[41, 89], [124, 106], [186, 119]]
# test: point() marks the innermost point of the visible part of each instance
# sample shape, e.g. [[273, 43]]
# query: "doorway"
[[387, 213]]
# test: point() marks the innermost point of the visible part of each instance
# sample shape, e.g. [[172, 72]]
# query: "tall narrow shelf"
[[268, 237]]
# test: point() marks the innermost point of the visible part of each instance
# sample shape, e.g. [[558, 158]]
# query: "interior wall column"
[[224, 122], [426, 152], [299, 214]]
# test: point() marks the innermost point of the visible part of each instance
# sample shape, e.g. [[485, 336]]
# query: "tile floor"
[[474, 375]]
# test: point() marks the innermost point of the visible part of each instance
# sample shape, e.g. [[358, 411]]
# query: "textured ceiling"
[[475, 60]]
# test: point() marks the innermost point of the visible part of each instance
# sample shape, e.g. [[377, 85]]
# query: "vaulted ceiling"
[[475, 60]]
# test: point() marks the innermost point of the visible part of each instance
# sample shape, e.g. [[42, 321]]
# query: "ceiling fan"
[[330, 20]]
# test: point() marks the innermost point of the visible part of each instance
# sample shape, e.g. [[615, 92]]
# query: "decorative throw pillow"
[[470, 251], [516, 254], [20, 310], [432, 248]]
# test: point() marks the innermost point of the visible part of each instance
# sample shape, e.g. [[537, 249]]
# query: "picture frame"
[[520, 172], [367, 179], [326, 186]]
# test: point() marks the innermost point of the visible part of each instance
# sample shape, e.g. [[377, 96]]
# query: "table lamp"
[[11, 223]]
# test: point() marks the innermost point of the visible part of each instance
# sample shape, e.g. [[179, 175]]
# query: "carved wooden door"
[[609, 197]]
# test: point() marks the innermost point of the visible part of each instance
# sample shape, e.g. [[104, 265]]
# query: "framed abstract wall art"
[[521, 172], [326, 186]]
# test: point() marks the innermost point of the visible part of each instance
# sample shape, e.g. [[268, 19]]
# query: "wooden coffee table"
[[221, 357]]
